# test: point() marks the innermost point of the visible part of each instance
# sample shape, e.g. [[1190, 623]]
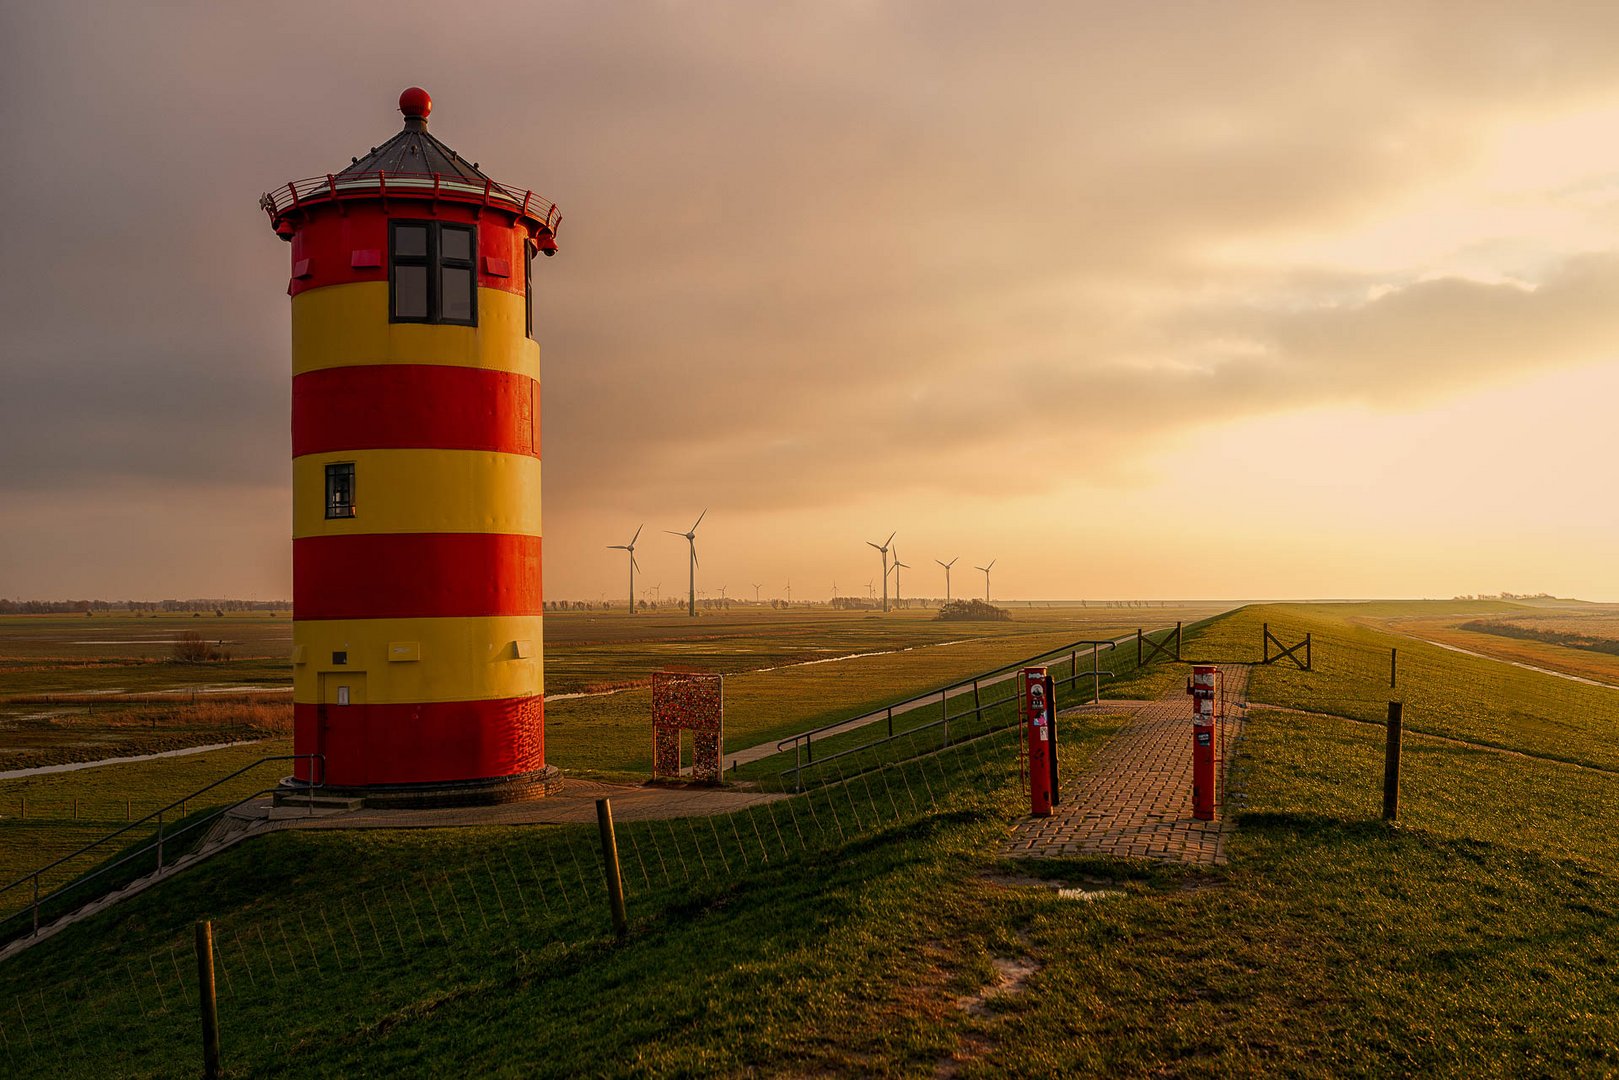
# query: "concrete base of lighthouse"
[[501, 789]]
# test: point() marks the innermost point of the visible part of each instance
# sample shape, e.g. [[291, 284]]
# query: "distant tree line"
[[1507, 596], [90, 607]]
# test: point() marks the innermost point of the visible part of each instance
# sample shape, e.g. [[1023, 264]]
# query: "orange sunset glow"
[[1158, 301]]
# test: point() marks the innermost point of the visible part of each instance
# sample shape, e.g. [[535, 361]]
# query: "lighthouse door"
[[340, 732]]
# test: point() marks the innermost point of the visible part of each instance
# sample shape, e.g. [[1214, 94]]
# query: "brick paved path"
[[1135, 799]]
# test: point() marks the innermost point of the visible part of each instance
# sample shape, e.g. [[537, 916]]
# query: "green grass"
[[1443, 692], [1474, 938], [49, 831]]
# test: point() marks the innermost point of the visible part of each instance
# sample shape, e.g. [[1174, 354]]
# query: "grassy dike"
[[1474, 938]]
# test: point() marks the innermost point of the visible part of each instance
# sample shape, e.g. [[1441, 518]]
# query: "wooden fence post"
[[1391, 762], [615, 881], [206, 1001]]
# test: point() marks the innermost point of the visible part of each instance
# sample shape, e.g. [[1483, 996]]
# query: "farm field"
[[68, 684], [1574, 638], [1473, 937]]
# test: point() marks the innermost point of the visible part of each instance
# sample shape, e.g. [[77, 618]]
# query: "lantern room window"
[[528, 289], [431, 273], [340, 489]]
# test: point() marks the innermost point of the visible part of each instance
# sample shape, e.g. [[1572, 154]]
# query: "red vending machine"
[[1039, 718], [1204, 687]]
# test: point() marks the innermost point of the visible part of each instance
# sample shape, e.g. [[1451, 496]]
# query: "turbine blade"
[[890, 539], [990, 567], [872, 545], [694, 561], [637, 535], [617, 547], [671, 532], [699, 520], [633, 562]]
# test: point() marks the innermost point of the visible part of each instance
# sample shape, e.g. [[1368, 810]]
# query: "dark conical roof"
[[413, 150], [411, 165]]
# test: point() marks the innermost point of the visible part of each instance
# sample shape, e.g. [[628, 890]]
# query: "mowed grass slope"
[[1473, 939]]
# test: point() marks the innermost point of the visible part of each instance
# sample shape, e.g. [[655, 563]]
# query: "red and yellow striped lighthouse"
[[417, 664]]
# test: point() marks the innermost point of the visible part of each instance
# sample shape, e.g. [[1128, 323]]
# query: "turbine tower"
[[883, 549], [947, 566], [691, 539], [897, 566], [634, 566], [986, 570]]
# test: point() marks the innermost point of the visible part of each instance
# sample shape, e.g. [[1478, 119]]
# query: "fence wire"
[[494, 908]]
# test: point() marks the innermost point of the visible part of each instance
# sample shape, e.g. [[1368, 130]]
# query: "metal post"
[[1391, 762], [160, 839], [1266, 660], [1177, 641], [1139, 661], [891, 721], [1096, 676], [206, 1001], [1309, 665], [36, 903], [615, 882], [978, 708], [1394, 667]]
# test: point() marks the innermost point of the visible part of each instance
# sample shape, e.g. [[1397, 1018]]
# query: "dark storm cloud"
[[797, 247]]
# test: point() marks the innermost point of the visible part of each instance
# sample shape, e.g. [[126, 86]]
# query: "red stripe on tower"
[[414, 406], [416, 575], [424, 742]]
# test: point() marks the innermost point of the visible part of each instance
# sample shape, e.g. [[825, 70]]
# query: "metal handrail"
[[803, 746], [162, 837], [321, 189], [805, 738]]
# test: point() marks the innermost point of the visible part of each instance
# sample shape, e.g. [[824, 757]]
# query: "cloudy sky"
[[1167, 300]]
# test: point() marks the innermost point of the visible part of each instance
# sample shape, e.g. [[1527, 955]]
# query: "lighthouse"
[[418, 675]]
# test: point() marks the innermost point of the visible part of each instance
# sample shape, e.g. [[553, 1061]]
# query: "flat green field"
[[65, 682], [868, 928]]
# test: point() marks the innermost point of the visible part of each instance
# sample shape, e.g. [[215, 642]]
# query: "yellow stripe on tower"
[[422, 491], [472, 659], [347, 326]]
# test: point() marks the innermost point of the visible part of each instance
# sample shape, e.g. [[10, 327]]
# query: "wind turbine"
[[897, 566], [947, 566], [756, 589], [691, 539], [834, 590], [634, 566], [789, 592], [986, 570], [871, 588], [883, 548]]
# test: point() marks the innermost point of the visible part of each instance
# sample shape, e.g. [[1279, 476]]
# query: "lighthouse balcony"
[[285, 203]]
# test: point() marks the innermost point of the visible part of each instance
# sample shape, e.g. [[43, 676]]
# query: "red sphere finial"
[[415, 103]]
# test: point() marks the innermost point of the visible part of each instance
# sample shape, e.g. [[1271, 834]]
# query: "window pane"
[[410, 292], [456, 295], [455, 244], [340, 490], [410, 240]]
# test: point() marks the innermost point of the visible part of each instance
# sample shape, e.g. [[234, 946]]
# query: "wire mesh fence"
[[499, 906]]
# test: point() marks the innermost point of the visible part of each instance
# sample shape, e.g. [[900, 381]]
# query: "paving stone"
[[1135, 800]]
